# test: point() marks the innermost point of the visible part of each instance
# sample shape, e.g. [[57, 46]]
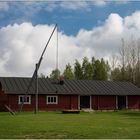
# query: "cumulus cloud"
[[22, 44], [103, 41]]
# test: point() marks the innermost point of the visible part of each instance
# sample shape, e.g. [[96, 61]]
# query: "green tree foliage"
[[87, 69], [78, 70], [55, 74], [104, 69], [97, 70], [101, 69], [93, 63], [68, 72]]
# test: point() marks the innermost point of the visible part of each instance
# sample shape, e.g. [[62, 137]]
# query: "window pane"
[[48, 99], [24, 98], [27, 99], [21, 99], [51, 99], [54, 99]]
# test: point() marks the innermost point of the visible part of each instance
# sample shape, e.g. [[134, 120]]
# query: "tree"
[[68, 72], [129, 62], [116, 74], [55, 74], [133, 58], [93, 67], [42, 75], [97, 71], [114, 61], [78, 70], [104, 69], [123, 57], [87, 69], [101, 69]]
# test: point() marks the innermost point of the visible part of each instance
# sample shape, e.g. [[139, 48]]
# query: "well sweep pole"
[[36, 89]]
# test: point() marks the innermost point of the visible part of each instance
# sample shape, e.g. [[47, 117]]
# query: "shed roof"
[[18, 85]]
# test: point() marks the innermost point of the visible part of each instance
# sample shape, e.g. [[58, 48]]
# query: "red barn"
[[72, 94]]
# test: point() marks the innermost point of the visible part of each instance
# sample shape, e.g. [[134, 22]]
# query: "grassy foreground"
[[123, 124]]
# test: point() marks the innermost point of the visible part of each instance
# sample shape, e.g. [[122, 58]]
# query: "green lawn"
[[122, 124]]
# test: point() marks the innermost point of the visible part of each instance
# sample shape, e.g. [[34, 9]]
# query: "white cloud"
[[133, 21], [70, 5], [105, 39], [100, 2], [22, 44], [74, 5]]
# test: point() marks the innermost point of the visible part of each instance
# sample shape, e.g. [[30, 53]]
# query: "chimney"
[[61, 80]]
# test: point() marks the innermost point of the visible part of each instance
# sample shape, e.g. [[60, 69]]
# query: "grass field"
[[122, 124]]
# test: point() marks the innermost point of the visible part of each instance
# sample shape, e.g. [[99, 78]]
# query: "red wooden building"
[[72, 94]]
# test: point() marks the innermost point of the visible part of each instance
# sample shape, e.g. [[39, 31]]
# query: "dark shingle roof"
[[18, 85]]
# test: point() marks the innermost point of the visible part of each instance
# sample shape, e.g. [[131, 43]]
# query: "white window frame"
[[26, 96], [47, 97]]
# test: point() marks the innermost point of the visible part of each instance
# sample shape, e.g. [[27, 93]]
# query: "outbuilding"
[[68, 94]]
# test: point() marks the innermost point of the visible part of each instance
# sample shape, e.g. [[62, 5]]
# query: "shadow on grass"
[[135, 114]]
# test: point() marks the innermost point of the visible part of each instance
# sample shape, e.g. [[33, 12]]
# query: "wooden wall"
[[102, 102], [134, 102], [64, 102]]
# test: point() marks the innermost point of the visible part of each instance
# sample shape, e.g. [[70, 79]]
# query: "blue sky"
[[86, 28], [70, 20]]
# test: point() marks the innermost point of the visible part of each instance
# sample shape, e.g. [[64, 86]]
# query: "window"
[[25, 98], [52, 99]]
